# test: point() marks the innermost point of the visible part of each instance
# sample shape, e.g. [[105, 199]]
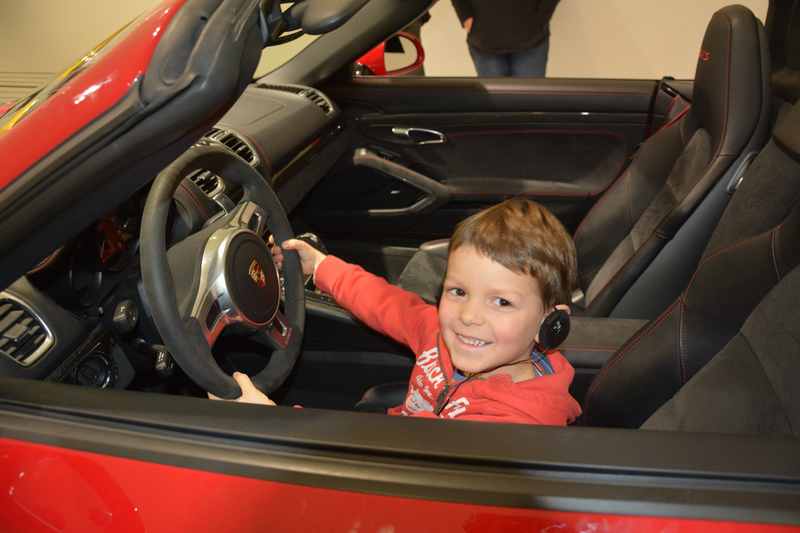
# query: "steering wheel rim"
[[184, 335]]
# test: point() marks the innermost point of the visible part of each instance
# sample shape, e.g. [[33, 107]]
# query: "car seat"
[[749, 386], [752, 249]]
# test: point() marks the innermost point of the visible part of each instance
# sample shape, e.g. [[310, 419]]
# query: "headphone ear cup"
[[554, 329]]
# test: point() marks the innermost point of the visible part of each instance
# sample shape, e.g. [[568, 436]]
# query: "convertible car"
[[138, 193]]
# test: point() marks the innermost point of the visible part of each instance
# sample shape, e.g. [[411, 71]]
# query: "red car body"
[[46, 488]]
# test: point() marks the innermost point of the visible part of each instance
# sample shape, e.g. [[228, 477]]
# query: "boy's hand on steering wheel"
[[310, 257], [250, 394]]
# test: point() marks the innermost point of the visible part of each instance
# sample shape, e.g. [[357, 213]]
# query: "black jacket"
[[502, 26]]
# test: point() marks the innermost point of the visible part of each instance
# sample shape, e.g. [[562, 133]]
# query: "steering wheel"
[[222, 276]]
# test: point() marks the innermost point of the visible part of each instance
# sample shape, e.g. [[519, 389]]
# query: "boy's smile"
[[489, 315], [472, 341]]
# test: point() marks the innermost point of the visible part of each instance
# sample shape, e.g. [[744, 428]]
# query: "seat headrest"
[[731, 78]]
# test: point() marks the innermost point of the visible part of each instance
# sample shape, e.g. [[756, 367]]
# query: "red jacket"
[[406, 318]]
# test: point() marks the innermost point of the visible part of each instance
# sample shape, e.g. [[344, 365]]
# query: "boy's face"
[[489, 315]]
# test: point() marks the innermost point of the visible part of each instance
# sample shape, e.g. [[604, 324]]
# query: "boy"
[[478, 355]]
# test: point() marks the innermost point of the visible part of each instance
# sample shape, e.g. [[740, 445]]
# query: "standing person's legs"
[[532, 62], [490, 65]]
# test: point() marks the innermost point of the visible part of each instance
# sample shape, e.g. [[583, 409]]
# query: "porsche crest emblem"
[[257, 274]]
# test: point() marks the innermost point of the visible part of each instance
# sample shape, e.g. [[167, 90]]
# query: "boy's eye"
[[456, 291], [502, 302]]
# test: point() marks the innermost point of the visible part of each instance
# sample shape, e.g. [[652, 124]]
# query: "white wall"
[[597, 38], [590, 38], [50, 35]]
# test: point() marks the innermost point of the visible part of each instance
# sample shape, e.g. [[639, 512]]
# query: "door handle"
[[420, 135], [436, 194]]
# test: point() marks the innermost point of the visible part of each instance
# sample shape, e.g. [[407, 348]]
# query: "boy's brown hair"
[[525, 238]]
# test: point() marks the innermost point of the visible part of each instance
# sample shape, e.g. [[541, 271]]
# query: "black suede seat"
[[670, 175], [751, 385], [752, 249]]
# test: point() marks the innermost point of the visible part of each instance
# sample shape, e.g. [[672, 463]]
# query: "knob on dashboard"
[[95, 370], [164, 363], [126, 316]]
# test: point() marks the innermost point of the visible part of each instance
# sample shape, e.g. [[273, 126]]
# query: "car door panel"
[[560, 142], [556, 158]]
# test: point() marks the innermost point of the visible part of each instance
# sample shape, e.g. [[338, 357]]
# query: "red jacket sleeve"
[[400, 314]]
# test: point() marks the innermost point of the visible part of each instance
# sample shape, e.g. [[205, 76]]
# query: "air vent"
[[313, 95], [285, 88], [235, 143], [207, 182], [23, 336], [318, 100]]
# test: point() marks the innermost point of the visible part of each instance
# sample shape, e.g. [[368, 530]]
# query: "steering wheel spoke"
[[209, 313], [279, 332], [249, 215]]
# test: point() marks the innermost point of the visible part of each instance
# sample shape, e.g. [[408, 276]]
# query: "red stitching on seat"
[[672, 104], [625, 349], [717, 253], [674, 120]]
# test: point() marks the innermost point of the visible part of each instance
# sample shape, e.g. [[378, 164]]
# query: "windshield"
[[275, 56]]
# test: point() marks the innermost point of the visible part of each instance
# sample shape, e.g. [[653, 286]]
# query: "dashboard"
[[81, 316]]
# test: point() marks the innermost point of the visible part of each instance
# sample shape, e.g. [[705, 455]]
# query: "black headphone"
[[554, 330]]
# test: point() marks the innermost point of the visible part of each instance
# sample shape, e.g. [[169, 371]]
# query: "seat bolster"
[[648, 370], [618, 274], [713, 172], [730, 395], [750, 386], [424, 273], [614, 215], [641, 376]]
